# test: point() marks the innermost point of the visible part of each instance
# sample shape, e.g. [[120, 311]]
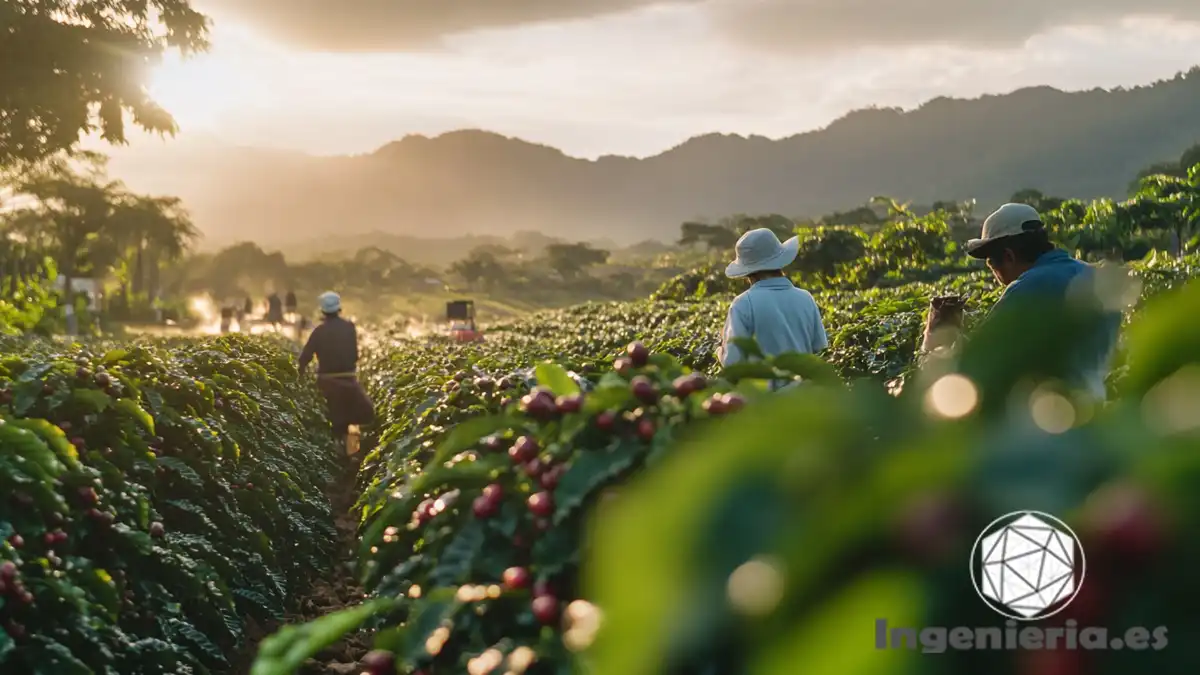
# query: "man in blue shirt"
[[1017, 249], [779, 316]]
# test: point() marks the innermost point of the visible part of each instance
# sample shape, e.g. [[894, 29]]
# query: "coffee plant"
[[154, 498], [512, 478]]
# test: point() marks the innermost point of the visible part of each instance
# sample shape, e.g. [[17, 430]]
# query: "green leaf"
[[114, 356], [457, 559], [186, 472], [665, 362], [468, 433], [462, 475], [430, 612], [136, 413], [809, 367], [286, 651], [611, 380], [590, 472], [93, 400], [1164, 339], [749, 370], [54, 657], [833, 639], [25, 396], [556, 550], [608, 398], [749, 347], [556, 378]]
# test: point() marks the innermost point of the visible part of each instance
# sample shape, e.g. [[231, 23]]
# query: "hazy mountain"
[[1078, 144]]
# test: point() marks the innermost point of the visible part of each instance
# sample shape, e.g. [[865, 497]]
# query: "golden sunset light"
[[609, 337]]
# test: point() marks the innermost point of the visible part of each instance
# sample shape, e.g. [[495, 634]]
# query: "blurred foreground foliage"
[[774, 544]]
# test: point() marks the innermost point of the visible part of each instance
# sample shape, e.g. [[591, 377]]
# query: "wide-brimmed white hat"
[[1007, 221], [330, 302], [760, 251]]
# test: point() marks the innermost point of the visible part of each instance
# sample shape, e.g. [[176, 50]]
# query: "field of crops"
[[477, 502], [587, 487]]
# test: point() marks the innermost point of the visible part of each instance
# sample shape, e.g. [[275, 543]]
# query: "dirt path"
[[336, 590]]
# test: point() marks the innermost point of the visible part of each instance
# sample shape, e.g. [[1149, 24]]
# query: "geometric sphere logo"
[[1027, 565]]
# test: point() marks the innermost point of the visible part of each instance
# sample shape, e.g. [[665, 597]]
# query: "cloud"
[[817, 26], [399, 25]]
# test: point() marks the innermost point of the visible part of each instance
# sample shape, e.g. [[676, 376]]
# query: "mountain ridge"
[[1083, 144]]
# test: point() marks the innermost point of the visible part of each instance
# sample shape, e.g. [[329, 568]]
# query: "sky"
[[636, 77]]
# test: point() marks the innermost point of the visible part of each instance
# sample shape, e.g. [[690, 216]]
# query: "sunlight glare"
[[200, 92], [952, 396]]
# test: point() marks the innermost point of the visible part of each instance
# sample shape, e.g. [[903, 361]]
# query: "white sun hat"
[[330, 302], [1007, 221], [760, 251]]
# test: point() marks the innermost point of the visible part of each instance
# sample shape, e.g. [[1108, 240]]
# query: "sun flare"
[[198, 92]]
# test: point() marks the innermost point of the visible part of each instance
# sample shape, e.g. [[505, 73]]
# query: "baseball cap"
[[330, 302], [1007, 221]]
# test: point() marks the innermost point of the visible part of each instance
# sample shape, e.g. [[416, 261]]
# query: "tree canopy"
[[92, 225], [74, 67]]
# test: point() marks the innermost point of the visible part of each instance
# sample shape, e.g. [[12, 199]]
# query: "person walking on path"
[[779, 316], [274, 310], [1017, 249], [334, 343]]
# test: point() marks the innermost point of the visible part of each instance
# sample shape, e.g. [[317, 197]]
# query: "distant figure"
[[226, 318], [274, 310], [248, 308], [289, 302], [334, 343]]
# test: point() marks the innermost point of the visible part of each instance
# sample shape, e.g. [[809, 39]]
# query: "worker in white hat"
[[334, 343], [778, 315]]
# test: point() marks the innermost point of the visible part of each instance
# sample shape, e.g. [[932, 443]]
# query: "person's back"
[[1018, 251], [274, 309], [780, 317], [334, 343], [1052, 274], [1058, 277]]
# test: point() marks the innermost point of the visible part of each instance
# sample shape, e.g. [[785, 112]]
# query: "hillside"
[[1082, 144]]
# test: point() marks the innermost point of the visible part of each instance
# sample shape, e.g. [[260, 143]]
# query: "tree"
[[782, 226], [72, 67], [71, 211], [1167, 204], [919, 242], [1041, 202], [244, 268], [569, 260], [713, 237], [479, 266], [158, 228], [1173, 168], [824, 249], [863, 215]]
